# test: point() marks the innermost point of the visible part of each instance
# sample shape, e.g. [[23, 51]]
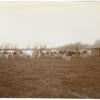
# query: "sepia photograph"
[[50, 49]]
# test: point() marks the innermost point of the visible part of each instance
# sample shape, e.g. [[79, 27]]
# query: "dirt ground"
[[50, 78]]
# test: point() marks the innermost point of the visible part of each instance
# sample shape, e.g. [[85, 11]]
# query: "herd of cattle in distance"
[[65, 54]]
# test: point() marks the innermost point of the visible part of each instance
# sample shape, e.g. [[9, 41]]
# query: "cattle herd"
[[65, 54], [50, 73]]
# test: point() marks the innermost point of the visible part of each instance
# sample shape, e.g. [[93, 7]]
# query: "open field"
[[50, 77]]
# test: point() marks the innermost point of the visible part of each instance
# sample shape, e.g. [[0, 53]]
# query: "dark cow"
[[67, 54]]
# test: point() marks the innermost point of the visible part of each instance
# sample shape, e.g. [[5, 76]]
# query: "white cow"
[[89, 53], [27, 53], [85, 53]]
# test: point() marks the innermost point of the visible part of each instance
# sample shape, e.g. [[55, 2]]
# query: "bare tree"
[[97, 43], [7, 46]]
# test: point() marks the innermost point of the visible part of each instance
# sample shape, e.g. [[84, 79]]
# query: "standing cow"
[[85, 53], [68, 54]]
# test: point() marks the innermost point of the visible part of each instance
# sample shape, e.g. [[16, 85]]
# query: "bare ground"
[[50, 78]]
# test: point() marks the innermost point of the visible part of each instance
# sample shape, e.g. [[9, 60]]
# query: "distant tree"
[[35, 47], [97, 41], [2, 46], [7, 46], [14, 47], [43, 47], [78, 45]]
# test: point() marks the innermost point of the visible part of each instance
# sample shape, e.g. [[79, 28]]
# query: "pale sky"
[[49, 23]]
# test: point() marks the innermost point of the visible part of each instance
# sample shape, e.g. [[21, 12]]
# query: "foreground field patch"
[[50, 77]]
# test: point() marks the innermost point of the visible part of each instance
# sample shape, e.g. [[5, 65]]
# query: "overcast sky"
[[49, 23]]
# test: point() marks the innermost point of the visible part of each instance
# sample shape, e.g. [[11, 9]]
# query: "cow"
[[27, 53], [68, 54], [85, 53], [54, 53]]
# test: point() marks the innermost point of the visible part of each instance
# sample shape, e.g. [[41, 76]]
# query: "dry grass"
[[50, 77]]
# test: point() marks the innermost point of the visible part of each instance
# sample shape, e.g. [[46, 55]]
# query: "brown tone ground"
[[50, 77]]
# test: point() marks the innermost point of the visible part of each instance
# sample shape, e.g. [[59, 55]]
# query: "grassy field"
[[50, 78]]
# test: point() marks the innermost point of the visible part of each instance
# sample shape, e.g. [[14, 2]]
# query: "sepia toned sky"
[[49, 23]]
